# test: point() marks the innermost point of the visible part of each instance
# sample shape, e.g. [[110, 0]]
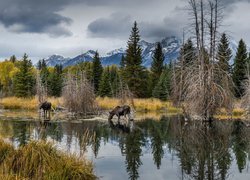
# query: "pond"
[[167, 148]]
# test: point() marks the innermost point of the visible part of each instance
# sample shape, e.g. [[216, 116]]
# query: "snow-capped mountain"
[[171, 48], [56, 59]]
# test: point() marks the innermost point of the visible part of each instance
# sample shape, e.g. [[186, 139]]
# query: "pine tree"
[[134, 72], [187, 53], [24, 80], [224, 53], [105, 88], [55, 81], [157, 64], [44, 73], [114, 80], [240, 69], [162, 89], [97, 71], [13, 58], [122, 63]]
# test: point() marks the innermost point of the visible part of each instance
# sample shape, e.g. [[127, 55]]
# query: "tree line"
[[18, 77]]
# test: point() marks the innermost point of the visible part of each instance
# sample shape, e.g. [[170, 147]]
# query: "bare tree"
[[197, 86], [41, 90], [246, 98], [78, 95]]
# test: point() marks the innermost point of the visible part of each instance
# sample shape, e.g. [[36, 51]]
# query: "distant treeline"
[[18, 77]]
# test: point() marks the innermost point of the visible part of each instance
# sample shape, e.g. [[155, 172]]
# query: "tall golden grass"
[[26, 103], [40, 160], [140, 105]]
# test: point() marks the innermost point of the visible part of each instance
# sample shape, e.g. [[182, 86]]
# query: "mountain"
[[56, 59], [171, 48]]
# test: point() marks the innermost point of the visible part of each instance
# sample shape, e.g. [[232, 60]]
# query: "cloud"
[[119, 25], [116, 25], [33, 16]]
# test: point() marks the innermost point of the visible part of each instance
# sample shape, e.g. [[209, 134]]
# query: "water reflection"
[[152, 148]]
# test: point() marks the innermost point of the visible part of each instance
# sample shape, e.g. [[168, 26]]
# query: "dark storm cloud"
[[117, 25], [34, 16]]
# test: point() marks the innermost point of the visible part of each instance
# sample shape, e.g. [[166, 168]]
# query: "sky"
[[41, 28]]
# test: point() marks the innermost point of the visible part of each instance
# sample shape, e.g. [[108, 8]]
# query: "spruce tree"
[[55, 81], [122, 63], [134, 72], [24, 80], [157, 64], [187, 53], [44, 73], [105, 88], [240, 69], [224, 53], [162, 89], [97, 71], [114, 80], [13, 58]]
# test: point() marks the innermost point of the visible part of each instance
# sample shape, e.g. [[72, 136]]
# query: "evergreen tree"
[[13, 58], [24, 80], [114, 80], [240, 69], [44, 73], [187, 53], [105, 88], [55, 81], [157, 64], [97, 71], [224, 53], [122, 63], [162, 89], [134, 72]]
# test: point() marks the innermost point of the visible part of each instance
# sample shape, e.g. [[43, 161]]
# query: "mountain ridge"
[[171, 48]]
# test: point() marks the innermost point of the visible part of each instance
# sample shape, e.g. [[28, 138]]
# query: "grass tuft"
[[40, 160]]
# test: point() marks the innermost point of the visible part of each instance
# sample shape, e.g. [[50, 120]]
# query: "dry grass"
[[26, 103], [141, 105], [40, 160]]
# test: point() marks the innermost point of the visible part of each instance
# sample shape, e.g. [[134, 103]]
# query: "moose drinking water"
[[120, 111]]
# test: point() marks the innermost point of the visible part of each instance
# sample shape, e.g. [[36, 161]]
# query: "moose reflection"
[[200, 151]]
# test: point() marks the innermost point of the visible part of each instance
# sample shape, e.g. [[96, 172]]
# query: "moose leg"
[[118, 119]]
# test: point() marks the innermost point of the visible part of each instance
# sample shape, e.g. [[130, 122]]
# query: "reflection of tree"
[[204, 150], [21, 132], [133, 144], [157, 143], [239, 144], [96, 141]]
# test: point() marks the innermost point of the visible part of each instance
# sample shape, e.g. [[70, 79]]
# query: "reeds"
[[26, 103], [40, 160], [140, 105]]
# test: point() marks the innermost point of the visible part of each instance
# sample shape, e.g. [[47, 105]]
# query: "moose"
[[120, 111], [46, 106]]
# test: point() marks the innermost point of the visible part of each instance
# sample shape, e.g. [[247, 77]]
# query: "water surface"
[[167, 148]]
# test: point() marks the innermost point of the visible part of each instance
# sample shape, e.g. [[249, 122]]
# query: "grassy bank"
[[40, 160], [140, 105], [26, 103], [149, 105]]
